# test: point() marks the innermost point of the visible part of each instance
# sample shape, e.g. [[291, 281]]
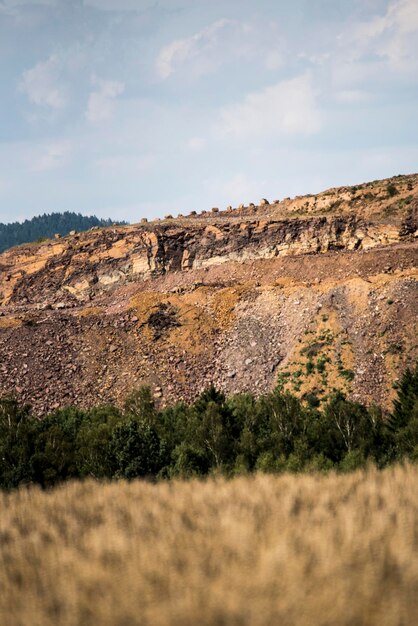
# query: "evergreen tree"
[[403, 422], [17, 443], [135, 449], [46, 226]]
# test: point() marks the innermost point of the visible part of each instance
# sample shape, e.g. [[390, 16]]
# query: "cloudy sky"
[[132, 108]]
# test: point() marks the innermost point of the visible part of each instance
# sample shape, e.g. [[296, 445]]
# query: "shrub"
[[320, 365], [352, 461], [348, 374]]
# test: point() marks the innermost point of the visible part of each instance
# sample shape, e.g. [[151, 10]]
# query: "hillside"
[[46, 226], [320, 290], [248, 552]]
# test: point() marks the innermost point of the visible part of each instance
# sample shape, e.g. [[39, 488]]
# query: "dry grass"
[[335, 551], [10, 322]]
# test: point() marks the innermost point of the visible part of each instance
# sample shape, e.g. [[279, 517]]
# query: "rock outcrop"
[[85, 266], [239, 298]]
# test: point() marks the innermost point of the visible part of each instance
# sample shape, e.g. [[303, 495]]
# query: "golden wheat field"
[[331, 550]]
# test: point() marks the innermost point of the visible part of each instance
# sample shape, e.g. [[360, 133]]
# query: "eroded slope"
[[240, 299]]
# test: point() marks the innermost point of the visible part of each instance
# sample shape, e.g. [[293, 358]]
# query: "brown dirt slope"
[[319, 296]]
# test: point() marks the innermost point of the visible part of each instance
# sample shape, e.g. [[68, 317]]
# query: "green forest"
[[275, 433], [46, 226]]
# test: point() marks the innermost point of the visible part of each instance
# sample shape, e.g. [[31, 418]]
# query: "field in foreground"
[[289, 550]]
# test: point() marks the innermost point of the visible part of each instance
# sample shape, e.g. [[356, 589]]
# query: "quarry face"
[[318, 293]]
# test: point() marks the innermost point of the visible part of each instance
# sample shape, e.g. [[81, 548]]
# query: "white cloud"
[[196, 144], [401, 17], [235, 190], [204, 51], [287, 108], [348, 74], [373, 28], [145, 163], [101, 104], [51, 156], [126, 164], [134, 212], [43, 86], [239, 189], [172, 55], [393, 37], [404, 13], [401, 49], [352, 96], [9, 7], [16, 3], [119, 5], [52, 83], [274, 60]]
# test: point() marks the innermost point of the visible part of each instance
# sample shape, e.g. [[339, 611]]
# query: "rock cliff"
[[318, 292]]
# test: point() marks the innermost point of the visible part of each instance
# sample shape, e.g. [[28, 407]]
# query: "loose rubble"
[[235, 298]]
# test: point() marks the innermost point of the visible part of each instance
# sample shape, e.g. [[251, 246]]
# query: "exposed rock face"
[[235, 298], [89, 265]]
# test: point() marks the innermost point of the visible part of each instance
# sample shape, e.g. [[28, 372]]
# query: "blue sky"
[[133, 108]]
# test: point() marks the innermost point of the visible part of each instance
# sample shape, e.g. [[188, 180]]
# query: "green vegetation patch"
[[44, 227], [215, 434]]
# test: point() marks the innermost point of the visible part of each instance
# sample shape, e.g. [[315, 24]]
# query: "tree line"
[[276, 432], [46, 226]]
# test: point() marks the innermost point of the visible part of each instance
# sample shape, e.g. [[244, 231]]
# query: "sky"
[[137, 108]]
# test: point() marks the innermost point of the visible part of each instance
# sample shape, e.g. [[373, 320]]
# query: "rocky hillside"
[[319, 292]]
